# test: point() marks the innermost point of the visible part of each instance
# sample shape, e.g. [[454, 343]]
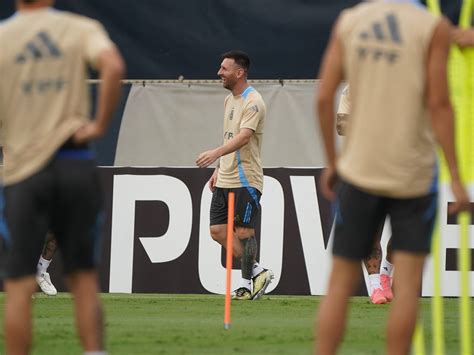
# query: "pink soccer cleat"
[[378, 297], [386, 282]]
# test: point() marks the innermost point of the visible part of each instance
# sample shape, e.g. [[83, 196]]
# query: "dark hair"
[[241, 58], [29, 1]]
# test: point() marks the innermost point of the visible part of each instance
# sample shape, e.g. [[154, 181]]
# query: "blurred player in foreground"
[[393, 55], [51, 181]]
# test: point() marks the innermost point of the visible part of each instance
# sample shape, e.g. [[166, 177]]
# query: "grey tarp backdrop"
[[169, 124]]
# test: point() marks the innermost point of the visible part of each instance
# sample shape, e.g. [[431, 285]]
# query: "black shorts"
[[360, 215], [247, 206], [64, 198]]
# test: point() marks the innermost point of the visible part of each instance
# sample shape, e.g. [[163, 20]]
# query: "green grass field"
[[193, 324]]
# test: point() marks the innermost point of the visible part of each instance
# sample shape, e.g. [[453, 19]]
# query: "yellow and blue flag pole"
[[466, 151], [461, 70]]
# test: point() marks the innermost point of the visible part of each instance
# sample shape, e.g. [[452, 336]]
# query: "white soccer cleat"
[[261, 282], [45, 284]]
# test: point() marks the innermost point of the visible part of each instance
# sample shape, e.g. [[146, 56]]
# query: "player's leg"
[[248, 258], [218, 221], [218, 229], [75, 225], [219, 234], [331, 318], [26, 212], [89, 314], [42, 277], [412, 226], [403, 312], [386, 272], [357, 220], [18, 324], [255, 278]]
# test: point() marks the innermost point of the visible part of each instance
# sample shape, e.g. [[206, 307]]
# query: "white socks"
[[246, 283], [386, 268], [257, 269], [95, 353], [374, 280], [43, 265]]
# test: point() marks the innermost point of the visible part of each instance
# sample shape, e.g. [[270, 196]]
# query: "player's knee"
[[217, 233], [244, 233]]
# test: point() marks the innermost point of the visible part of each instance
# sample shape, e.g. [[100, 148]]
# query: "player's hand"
[[327, 182], [207, 158], [87, 132], [461, 197], [462, 37], [213, 180]]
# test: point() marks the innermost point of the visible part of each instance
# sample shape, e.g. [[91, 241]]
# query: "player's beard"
[[228, 83]]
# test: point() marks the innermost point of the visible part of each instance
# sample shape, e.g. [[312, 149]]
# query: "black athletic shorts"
[[246, 210], [360, 214], [64, 198]]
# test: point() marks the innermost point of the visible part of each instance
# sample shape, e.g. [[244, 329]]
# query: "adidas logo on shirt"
[[39, 48], [386, 33]]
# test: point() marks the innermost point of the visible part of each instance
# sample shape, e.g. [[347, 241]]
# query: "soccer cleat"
[[386, 282], [45, 284], [378, 297], [242, 293], [260, 283]]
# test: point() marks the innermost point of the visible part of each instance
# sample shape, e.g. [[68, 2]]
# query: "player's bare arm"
[[331, 75], [112, 68], [208, 157], [441, 111]]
